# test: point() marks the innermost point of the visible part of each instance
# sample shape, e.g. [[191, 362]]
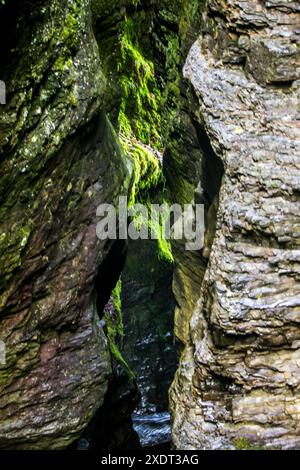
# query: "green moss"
[[184, 190], [114, 324], [73, 99], [190, 8], [242, 443], [172, 66], [140, 96], [138, 114], [71, 27], [116, 296], [63, 63], [11, 247], [115, 351], [147, 170], [69, 36], [143, 99], [157, 226], [69, 31]]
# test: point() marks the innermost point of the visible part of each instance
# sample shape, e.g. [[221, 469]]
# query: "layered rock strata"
[[238, 380]]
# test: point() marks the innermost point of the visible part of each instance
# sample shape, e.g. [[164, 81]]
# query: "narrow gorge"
[[129, 343]]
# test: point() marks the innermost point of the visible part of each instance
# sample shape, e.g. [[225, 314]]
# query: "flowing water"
[[154, 429]]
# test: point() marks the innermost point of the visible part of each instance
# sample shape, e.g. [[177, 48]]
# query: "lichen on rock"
[[97, 107], [64, 159]]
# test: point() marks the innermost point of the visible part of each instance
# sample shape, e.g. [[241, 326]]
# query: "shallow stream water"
[[154, 429]]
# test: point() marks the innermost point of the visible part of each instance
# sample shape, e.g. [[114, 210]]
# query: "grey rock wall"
[[238, 380]]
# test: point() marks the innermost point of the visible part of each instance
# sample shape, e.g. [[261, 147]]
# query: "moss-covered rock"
[[140, 44], [65, 158], [60, 158]]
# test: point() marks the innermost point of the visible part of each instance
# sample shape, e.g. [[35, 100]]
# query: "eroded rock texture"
[[238, 381], [59, 160]]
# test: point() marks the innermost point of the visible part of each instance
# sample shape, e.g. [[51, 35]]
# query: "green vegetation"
[[242, 443], [139, 114], [143, 75], [156, 226], [11, 248], [164, 245], [190, 9], [140, 124], [147, 170], [116, 296], [114, 324], [68, 36]]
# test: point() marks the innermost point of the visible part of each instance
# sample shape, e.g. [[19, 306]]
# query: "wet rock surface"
[[229, 134], [238, 378], [60, 159], [154, 429], [112, 428]]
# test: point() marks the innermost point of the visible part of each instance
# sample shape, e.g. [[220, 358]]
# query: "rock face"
[[238, 380], [60, 159], [194, 174], [232, 138]]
